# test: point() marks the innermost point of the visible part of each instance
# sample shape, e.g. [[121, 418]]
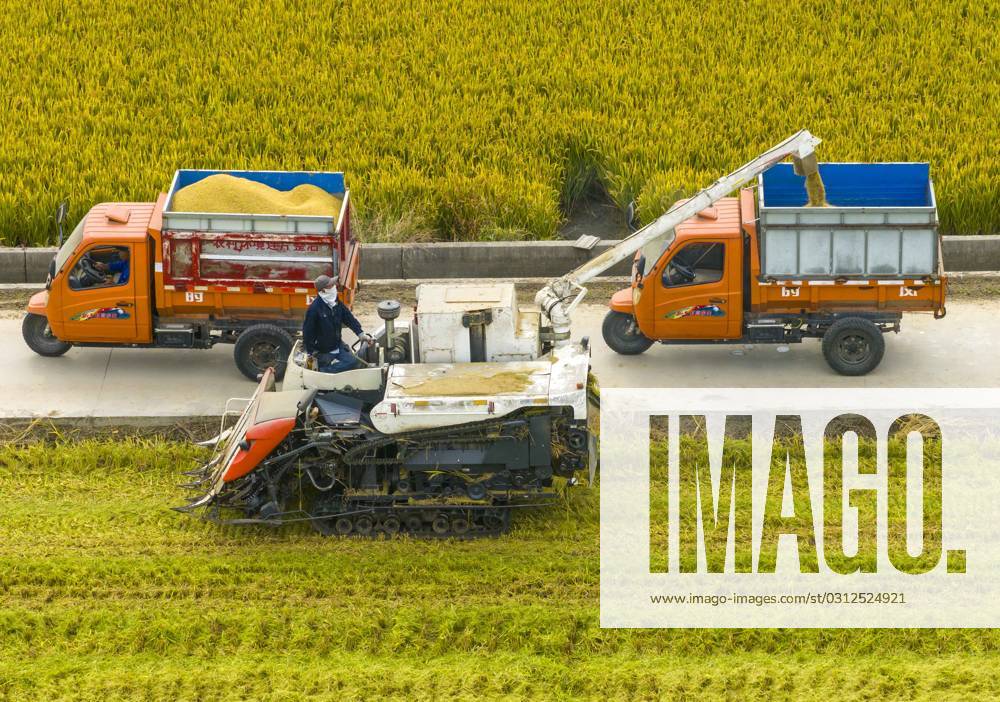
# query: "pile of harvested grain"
[[465, 384], [816, 190], [226, 193]]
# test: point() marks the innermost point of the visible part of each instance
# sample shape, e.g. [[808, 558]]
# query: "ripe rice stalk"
[[468, 132], [107, 595]]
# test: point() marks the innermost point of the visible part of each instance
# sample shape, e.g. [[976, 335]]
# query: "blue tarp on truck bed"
[[853, 185], [881, 222]]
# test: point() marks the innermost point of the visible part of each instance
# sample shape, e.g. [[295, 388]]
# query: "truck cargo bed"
[[881, 223], [332, 183], [227, 264]]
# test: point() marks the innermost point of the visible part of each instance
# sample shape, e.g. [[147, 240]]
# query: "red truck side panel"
[[249, 275]]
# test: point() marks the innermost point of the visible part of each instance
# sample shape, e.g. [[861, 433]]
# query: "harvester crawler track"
[[349, 483], [459, 522]]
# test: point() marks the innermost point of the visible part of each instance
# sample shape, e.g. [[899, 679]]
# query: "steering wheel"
[[685, 272], [361, 348], [91, 275]]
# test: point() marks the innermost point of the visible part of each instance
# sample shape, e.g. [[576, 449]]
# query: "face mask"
[[329, 297]]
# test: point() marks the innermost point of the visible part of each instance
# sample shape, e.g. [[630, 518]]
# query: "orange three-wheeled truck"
[[151, 276], [770, 269]]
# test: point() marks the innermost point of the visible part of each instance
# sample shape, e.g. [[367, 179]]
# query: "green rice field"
[[105, 594]]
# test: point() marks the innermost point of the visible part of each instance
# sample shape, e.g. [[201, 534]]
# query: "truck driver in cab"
[[118, 267], [92, 272]]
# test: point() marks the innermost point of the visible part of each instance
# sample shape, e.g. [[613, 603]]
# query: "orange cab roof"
[[726, 222], [104, 221]]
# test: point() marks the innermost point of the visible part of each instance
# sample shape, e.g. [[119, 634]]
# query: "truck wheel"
[[38, 336], [622, 335], [261, 347], [853, 346]]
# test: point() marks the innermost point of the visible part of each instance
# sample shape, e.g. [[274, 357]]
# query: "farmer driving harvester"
[[321, 330]]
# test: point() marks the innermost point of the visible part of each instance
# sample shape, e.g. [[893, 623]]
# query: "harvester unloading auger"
[[467, 412]]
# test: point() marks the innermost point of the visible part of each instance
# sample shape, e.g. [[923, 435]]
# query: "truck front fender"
[[38, 303], [621, 301]]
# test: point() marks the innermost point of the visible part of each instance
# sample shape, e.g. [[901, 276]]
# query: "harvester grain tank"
[[196, 279], [776, 269], [475, 407]]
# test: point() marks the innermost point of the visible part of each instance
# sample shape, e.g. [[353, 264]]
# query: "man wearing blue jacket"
[[117, 267], [321, 330]]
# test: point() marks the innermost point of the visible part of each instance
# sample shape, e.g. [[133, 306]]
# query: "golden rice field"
[[484, 119], [106, 595]]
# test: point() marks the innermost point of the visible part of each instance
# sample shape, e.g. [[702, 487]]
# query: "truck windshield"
[[652, 251], [69, 246]]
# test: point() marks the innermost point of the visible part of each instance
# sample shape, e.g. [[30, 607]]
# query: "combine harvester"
[[470, 409]]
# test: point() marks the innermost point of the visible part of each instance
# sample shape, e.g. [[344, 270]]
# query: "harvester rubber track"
[[460, 522]]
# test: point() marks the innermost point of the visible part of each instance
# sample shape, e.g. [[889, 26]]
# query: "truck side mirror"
[[631, 219], [61, 217]]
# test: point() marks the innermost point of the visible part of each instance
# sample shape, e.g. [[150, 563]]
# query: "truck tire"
[[38, 336], [260, 347], [853, 346], [622, 335]]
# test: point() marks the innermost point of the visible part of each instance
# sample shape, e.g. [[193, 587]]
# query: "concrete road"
[[959, 351]]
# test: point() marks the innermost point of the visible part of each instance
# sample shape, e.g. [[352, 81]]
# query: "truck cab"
[[99, 285], [697, 282], [692, 289]]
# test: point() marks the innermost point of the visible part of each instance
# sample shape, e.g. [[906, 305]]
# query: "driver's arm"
[[117, 268], [351, 321]]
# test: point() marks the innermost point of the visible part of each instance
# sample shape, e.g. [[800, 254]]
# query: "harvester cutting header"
[[470, 409]]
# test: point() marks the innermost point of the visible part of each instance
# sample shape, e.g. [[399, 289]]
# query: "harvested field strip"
[[639, 676], [105, 594]]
